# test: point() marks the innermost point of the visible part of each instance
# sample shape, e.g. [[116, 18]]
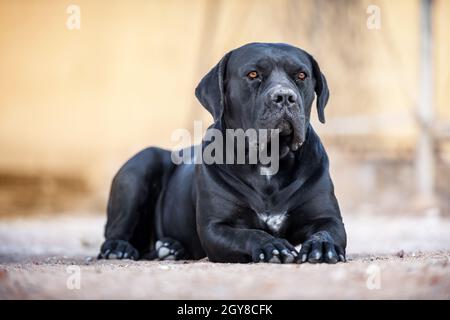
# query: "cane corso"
[[231, 212]]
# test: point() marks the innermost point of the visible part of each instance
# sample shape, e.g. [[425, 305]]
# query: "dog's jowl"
[[238, 211]]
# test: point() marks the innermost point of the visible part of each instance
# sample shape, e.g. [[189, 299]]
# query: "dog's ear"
[[321, 89], [210, 90]]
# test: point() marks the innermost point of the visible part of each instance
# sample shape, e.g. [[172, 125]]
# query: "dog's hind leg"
[[166, 249], [135, 189]]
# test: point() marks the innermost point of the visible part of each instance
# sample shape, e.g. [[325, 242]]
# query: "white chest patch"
[[266, 171], [274, 221]]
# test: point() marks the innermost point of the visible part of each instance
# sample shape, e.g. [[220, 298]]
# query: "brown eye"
[[252, 75], [301, 76]]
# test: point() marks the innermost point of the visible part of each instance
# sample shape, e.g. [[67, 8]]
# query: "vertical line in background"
[[425, 146], [207, 37]]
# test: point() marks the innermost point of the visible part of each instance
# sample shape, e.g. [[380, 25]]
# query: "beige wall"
[[70, 98], [442, 57], [81, 102]]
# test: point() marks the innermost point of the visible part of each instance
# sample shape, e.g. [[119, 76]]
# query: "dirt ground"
[[389, 257]]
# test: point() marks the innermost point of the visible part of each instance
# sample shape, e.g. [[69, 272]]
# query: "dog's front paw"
[[118, 249], [274, 251], [320, 247]]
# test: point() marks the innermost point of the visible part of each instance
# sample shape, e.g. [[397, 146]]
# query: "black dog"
[[232, 213]]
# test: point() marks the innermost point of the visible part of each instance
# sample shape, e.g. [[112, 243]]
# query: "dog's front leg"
[[224, 243]]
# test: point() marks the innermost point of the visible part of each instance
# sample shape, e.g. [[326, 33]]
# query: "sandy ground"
[[389, 257]]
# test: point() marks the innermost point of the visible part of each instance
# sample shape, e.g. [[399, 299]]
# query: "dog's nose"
[[283, 97]]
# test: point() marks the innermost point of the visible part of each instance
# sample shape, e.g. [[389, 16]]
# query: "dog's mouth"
[[289, 138], [285, 128]]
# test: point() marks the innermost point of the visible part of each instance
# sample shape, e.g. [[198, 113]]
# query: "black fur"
[[161, 210]]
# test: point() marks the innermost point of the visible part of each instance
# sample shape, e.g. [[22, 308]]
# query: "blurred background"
[[75, 104]]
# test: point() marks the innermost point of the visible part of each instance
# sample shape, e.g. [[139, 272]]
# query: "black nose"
[[283, 97]]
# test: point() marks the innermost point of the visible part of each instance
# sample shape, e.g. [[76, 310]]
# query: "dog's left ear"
[[210, 90], [321, 89]]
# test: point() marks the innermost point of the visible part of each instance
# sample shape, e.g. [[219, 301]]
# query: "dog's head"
[[265, 86]]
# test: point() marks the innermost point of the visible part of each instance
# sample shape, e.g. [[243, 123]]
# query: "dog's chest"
[[273, 221]]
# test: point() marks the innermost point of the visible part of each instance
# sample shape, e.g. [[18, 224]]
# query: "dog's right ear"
[[210, 90]]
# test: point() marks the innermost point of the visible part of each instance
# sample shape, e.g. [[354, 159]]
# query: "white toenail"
[[163, 252]]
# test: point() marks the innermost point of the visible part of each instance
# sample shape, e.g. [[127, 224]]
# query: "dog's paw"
[[169, 249], [320, 247], [118, 249], [275, 251]]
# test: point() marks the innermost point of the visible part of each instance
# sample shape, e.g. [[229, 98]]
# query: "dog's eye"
[[252, 75], [301, 76]]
